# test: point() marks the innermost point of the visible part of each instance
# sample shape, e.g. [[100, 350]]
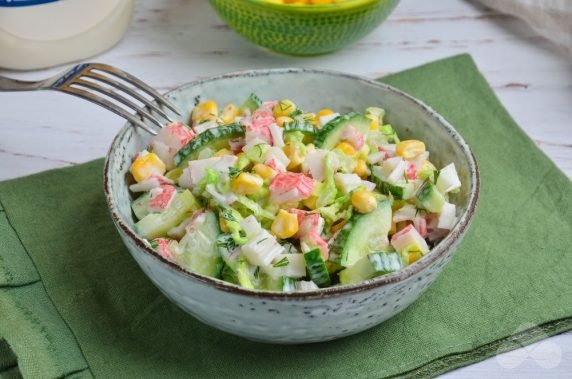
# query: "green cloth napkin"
[[74, 303]]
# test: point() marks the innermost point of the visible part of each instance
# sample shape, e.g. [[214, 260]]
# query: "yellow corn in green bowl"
[[303, 29]]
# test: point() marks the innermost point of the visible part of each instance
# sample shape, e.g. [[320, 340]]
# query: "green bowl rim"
[[441, 249], [348, 4]]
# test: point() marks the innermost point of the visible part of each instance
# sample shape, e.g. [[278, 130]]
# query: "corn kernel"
[[413, 256], [361, 169], [285, 224], [229, 114], [363, 201], [206, 111], [264, 171], [311, 202], [295, 154], [284, 108], [146, 165], [282, 120], [409, 149], [222, 153], [346, 148], [325, 112], [246, 184], [223, 225], [374, 124], [375, 114]]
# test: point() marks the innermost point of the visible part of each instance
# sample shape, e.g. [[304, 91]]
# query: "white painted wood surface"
[[176, 41]]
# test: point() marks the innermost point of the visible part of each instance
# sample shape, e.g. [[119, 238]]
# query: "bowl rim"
[[348, 4], [438, 251]]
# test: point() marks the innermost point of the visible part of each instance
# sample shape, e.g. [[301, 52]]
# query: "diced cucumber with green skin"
[[174, 174], [390, 134], [399, 192], [214, 139], [197, 251], [252, 103], [282, 284], [331, 133], [316, 268], [140, 206], [300, 126], [257, 153], [428, 197], [287, 284], [370, 266], [228, 275], [156, 225], [363, 234]]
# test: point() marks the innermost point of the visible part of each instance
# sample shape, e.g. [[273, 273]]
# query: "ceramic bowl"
[[302, 29], [312, 316]]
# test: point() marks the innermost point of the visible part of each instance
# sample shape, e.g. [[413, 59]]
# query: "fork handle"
[[7, 84]]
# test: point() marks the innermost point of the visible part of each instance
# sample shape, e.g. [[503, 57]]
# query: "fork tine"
[[136, 82], [121, 99], [124, 88], [109, 105]]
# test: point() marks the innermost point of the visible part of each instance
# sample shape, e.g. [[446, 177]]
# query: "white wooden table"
[[176, 41]]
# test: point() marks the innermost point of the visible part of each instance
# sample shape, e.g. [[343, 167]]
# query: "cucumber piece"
[[363, 234], [281, 284], [228, 275], [390, 134], [287, 284], [140, 206], [370, 266], [331, 133], [197, 251], [277, 284], [214, 139], [399, 192], [333, 268], [317, 269], [174, 174], [156, 225], [300, 126], [428, 197], [251, 104]]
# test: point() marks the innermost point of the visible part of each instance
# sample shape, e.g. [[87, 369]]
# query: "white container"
[[42, 33]]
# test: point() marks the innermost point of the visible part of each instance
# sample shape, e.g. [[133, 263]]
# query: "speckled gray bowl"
[[300, 317]]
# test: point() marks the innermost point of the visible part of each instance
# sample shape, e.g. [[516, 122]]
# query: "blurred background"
[[170, 42]]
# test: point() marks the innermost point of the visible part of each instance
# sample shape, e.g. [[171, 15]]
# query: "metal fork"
[[74, 82]]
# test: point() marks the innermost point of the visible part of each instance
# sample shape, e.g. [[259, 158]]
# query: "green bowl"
[[303, 29]]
